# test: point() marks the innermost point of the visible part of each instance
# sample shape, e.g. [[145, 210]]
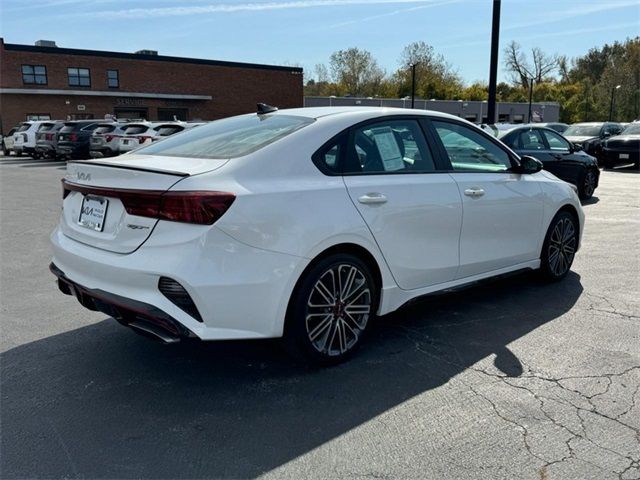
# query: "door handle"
[[372, 198], [474, 192]]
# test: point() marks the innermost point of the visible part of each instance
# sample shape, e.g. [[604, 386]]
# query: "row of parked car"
[[81, 139]]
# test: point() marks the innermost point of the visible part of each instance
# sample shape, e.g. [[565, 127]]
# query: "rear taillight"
[[73, 137], [108, 138], [49, 136], [142, 138], [203, 208]]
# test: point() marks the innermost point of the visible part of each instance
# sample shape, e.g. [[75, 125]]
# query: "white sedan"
[[304, 224]]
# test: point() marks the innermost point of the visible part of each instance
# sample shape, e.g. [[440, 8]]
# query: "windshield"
[[228, 138], [633, 129], [24, 127], [583, 131]]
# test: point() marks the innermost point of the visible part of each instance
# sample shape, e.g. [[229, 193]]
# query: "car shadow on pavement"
[[101, 402]]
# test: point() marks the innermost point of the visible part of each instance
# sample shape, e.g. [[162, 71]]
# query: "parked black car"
[[624, 148], [557, 154], [74, 139], [589, 136]]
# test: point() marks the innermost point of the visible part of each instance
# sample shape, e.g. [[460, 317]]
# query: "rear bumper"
[[142, 317], [240, 291], [46, 149], [612, 157]]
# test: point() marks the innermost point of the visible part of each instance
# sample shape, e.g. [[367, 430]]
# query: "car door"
[[502, 210], [567, 164], [530, 142], [412, 208]]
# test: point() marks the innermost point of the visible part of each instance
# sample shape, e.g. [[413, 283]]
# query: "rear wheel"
[[587, 185], [559, 247], [330, 310]]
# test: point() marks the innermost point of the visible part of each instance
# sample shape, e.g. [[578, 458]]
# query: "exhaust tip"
[[150, 330]]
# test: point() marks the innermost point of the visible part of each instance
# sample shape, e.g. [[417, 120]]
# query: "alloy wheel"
[[589, 184], [562, 247], [338, 309]]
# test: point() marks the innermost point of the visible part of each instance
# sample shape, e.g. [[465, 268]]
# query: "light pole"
[[613, 92], [413, 85], [493, 65], [530, 98]]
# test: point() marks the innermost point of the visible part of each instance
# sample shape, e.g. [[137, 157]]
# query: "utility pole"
[[613, 93], [413, 85], [493, 68]]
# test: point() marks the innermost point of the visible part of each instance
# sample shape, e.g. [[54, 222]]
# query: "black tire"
[[587, 185], [18, 154], [319, 328], [560, 244]]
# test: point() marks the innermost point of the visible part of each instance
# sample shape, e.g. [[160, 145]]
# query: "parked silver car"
[[47, 139], [105, 140]]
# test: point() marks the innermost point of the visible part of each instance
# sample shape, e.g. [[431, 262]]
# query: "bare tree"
[[522, 71]]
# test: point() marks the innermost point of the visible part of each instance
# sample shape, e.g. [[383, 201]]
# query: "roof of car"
[[318, 112]]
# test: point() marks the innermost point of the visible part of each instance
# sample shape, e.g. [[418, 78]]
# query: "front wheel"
[[330, 310], [559, 247], [587, 185]]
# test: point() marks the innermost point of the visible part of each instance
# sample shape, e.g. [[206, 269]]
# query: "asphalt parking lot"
[[511, 379]]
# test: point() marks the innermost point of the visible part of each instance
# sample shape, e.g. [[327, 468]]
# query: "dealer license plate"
[[93, 212], [624, 156]]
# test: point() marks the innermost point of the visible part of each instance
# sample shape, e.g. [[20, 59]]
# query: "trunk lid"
[[93, 211]]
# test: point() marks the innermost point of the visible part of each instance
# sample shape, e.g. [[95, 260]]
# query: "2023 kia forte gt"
[[304, 224]]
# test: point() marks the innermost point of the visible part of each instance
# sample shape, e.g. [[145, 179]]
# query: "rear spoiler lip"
[[126, 167]]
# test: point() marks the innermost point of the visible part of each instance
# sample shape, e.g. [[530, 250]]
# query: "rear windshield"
[[582, 131], [46, 127], [105, 129], [24, 127], [633, 129], [69, 127], [228, 138], [135, 129], [169, 130]]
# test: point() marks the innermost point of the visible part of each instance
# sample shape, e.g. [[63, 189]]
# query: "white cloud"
[[237, 7]]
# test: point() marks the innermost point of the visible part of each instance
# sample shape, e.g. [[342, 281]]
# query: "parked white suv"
[[24, 140], [140, 134]]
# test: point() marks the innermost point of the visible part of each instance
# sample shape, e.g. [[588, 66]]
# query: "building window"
[[34, 74], [38, 116], [79, 77], [113, 79]]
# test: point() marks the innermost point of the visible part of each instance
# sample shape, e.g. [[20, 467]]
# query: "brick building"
[[44, 81]]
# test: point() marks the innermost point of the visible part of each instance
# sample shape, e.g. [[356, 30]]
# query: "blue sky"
[[306, 32]]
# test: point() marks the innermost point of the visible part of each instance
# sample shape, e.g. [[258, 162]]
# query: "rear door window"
[[530, 140], [392, 146], [24, 127]]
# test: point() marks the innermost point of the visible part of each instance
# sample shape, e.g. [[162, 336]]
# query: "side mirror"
[[529, 165], [576, 148], [606, 134]]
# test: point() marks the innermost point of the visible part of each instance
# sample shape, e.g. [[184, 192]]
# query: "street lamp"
[[613, 91], [413, 84]]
